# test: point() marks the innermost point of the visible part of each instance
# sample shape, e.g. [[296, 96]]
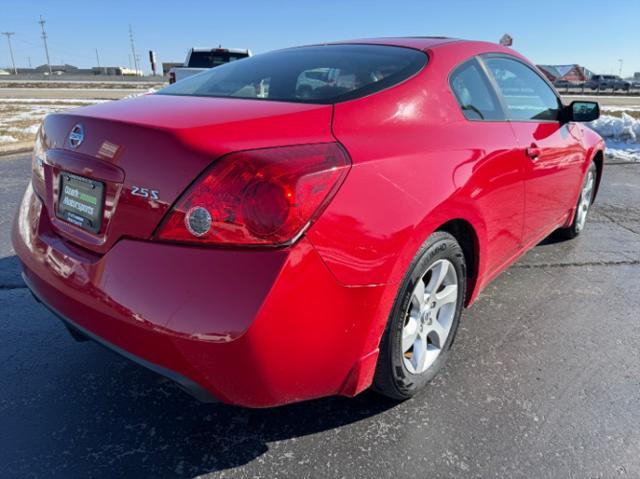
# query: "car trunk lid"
[[137, 156]]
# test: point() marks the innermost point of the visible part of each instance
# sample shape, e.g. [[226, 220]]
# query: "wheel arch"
[[466, 235], [598, 159]]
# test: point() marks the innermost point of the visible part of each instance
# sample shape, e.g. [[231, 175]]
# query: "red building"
[[571, 73]]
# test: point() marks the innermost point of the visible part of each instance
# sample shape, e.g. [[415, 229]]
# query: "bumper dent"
[[189, 386]]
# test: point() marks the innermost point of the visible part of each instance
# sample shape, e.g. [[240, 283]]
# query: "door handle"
[[533, 152]]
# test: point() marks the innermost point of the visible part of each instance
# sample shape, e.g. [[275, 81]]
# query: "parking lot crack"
[[580, 264], [618, 223]]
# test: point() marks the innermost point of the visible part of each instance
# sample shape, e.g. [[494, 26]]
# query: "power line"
[[59, 47], [13, 62], [44, 39]]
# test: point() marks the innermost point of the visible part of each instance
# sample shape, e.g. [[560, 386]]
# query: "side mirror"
[[582, 111]]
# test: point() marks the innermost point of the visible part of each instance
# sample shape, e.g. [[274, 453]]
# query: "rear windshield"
[[213, 58], [317, 74]]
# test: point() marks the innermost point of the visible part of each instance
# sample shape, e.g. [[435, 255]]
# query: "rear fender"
[[455, 209]]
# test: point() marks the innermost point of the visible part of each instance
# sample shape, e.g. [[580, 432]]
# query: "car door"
[[497, 188], [551, 148]]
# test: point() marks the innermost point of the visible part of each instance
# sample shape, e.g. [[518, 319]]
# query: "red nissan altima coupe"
[[306, 222]]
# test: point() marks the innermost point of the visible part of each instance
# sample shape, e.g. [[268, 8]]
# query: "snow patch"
[[621, 135], [621, 151], [20, 119], [625, 128], [150, 91], [53, 101], [619, 108], [29, 130]]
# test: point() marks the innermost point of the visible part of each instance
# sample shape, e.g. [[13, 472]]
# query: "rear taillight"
[[259, 197]]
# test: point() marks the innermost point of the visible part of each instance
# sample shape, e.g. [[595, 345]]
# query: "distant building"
[[131, 72], [117, 71], [66, 68], [71, 71], [636, 76], [571, 73], [114, 71]]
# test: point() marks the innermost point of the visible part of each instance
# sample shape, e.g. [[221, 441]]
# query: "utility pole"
[[620, 71], [13, 62], [98, 60], [44, 39], [29, 61], [133, 49]]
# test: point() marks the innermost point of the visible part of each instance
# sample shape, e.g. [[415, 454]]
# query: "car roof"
[[429, 43], [419, 43]]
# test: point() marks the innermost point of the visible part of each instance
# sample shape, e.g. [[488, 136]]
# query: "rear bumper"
[[252, 328], [194, 389]]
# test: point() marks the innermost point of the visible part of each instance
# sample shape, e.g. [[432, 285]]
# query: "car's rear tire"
[[585, 200], [424, 319]]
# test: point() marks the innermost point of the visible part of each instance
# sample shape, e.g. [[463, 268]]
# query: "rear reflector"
[[258, 197], [198, 221]]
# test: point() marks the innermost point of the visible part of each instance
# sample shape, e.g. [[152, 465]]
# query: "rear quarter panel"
[[416, 165], [595, 147]]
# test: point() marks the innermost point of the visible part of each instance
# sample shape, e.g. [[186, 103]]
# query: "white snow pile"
[[20, 118], [621, 135], [30, 130], [625, 128], [619, 108]]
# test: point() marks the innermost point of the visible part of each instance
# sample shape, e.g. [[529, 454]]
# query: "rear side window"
[[474, 93], [527, 96], [317, 74]]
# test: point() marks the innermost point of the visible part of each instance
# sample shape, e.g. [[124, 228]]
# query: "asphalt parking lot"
[[544, 381]]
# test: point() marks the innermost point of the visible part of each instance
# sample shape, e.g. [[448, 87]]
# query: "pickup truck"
[[604, 82], [201, 59]]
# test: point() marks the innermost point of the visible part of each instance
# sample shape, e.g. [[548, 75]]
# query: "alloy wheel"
[[585, 201], [429, 316]]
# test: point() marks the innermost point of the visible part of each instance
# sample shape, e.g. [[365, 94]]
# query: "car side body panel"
[[418, 163], [553, 177]]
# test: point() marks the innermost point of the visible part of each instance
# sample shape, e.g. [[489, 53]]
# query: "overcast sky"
[[595, 34]]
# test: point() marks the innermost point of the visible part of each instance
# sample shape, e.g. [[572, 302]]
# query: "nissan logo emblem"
[[76, 136]]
